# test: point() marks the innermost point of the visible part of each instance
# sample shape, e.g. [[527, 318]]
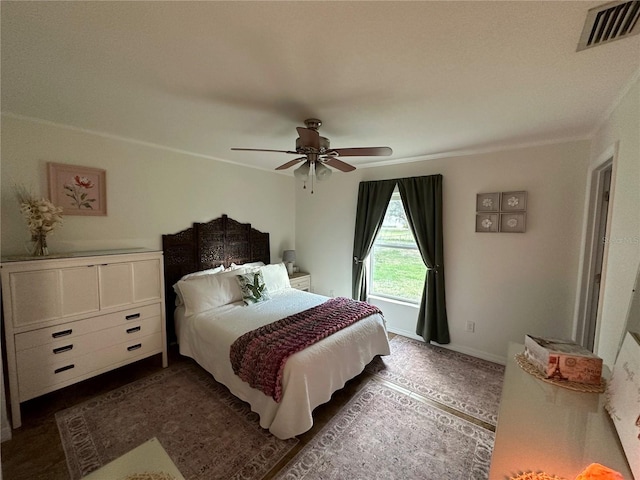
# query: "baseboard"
[[475, 353], [456, 348], [404, 333], [5, 433]]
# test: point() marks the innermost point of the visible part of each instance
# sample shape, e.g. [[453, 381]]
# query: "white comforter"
[[310, 376]]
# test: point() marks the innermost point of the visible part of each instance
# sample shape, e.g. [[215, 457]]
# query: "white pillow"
[[235, 266], [210, 271], [204, 292], [275, 277]]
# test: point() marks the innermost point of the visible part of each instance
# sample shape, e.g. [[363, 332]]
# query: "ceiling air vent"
[[609, 22]]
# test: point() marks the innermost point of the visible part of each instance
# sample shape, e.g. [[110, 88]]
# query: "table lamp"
[[289, 258]]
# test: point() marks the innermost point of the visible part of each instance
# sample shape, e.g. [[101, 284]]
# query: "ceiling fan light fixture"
[[316, 152], [322, 172], [302, 172]]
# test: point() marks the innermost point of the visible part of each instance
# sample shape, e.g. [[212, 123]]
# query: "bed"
[[207, 258]]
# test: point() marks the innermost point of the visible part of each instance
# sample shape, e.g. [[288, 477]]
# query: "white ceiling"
[[425, 78]]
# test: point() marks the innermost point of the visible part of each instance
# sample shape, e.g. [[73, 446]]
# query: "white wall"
[[623, 252], [508, 284], [150, 191]]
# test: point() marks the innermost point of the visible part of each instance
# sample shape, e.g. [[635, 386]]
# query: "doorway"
[[595, 251]]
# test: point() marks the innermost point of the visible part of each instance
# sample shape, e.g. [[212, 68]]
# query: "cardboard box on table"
[[563, 360]]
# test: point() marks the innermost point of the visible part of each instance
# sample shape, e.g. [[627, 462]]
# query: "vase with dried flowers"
[[42, 218]]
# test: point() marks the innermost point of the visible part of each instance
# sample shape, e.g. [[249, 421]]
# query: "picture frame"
[[78, 190], [513, 222], [488, 202], [513, 202], [487, 222]]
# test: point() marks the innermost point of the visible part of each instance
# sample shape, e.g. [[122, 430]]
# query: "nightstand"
[[301, 281]]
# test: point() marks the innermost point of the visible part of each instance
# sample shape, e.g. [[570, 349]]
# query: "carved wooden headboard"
[[221, 241]]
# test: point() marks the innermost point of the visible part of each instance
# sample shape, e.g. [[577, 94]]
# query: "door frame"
[[584, 299]]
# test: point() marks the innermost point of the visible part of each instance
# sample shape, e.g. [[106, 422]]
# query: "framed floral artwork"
[[487, 222], [513, 222], [488, 202], [78, 190], [513, 202]]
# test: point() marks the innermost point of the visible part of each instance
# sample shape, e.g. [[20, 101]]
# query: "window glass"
[[397, 270]]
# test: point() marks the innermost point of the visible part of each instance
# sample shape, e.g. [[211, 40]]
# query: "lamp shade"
[[322, 172], [289, 256], [302, 172]]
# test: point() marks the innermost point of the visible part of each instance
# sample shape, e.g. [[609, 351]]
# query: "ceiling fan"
[[316, 153]]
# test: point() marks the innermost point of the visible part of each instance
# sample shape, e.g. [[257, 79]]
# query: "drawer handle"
[[62, 369], [63, 333], [133, 330], [66, 348], [133, 316], [134, 347]]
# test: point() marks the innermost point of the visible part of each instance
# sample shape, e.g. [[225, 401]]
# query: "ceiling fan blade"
[[264, 150], [309, 138], [363, 152], [339, 164], [290, 163]]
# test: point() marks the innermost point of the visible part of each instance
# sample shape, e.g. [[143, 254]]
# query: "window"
[[397, 270]]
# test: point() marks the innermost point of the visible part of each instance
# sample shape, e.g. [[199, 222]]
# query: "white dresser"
[[77, 315]]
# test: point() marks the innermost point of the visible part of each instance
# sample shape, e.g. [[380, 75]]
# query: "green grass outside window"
[[397, 272]]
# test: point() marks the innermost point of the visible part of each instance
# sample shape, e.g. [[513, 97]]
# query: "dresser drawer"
[[68, 331], [75, 346], [40, 379], [128, 351]]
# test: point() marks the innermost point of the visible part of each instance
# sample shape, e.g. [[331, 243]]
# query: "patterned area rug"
[[383, 433], [208, 433], [464, 383]]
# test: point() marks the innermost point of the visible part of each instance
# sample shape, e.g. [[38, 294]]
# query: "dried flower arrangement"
[[42, 218]]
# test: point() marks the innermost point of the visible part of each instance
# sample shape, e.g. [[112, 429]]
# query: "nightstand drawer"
[[300, 281]]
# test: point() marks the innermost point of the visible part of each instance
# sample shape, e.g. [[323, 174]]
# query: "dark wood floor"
[[35, 451]]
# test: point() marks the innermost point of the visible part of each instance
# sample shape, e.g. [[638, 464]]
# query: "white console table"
[[543, 427]]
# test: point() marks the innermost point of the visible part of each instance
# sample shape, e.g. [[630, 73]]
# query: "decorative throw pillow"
[[253, 287]]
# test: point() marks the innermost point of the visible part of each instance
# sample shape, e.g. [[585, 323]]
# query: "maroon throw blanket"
[[258, 357]]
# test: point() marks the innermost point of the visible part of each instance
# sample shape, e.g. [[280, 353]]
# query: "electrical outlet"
[[470, 326]]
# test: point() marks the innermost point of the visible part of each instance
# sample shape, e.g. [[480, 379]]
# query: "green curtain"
[[422, 201], [373, 199]]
